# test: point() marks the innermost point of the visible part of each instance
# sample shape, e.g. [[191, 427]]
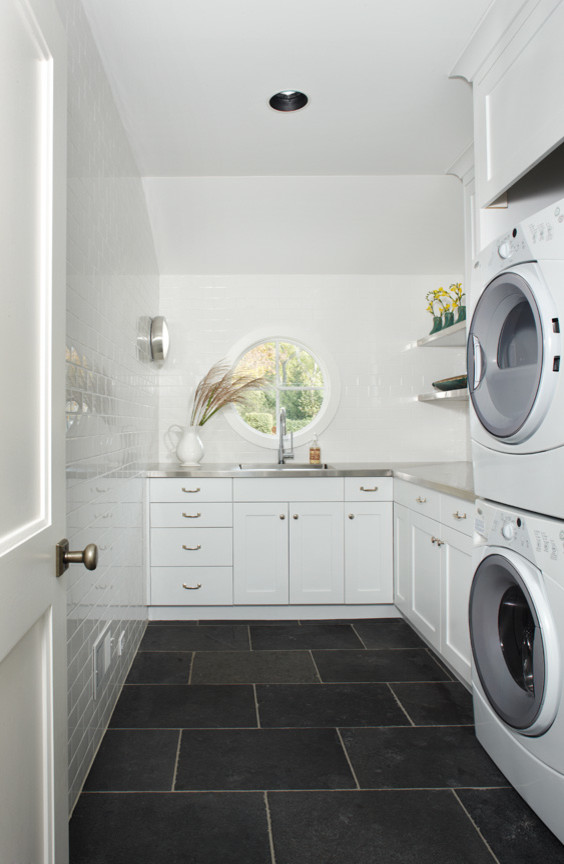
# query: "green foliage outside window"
[[297, 385]]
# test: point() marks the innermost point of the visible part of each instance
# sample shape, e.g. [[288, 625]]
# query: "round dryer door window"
[[505, 355], [509, 645]]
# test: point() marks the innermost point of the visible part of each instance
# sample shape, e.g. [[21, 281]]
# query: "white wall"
[[365, 322], [111, 394], [375, 224]]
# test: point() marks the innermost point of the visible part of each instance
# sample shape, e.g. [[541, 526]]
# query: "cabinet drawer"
[[457, 513], [288, 489], [191, 515], [418, 498], [191, 489], [369, 488], [191, 586], [191, 547]]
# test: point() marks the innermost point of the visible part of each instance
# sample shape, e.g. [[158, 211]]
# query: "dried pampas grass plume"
[[221, 387]]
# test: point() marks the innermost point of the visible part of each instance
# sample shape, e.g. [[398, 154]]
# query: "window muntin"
[[297, 384]]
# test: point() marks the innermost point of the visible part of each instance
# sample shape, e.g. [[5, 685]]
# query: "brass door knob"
[[88, 556]]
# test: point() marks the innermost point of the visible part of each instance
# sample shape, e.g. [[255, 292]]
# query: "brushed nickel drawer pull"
[[367, 489], [192, 548], [459, 515], [421, 500], [191, 490], [191, 515], [191, 587]]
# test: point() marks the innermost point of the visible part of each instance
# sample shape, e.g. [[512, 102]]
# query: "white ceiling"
[[192, 79]]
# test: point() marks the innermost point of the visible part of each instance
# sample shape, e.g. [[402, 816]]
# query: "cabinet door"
[[403, 591], [426, 577], [457, 574], [368, 553], [260, 540], [316, 553]]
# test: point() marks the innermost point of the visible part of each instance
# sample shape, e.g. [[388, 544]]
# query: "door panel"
[[260, 554], [316, 553], [33, 744], [426, 579], [368, 553]]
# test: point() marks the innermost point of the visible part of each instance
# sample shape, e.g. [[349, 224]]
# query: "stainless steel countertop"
[[451, 478]]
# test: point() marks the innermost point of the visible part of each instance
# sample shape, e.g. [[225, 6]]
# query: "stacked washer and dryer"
[[516, 613]]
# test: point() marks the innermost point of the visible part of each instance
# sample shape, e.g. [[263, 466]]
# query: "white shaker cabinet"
[[260, 553], [433, 569], [369, 567], [316, 553]]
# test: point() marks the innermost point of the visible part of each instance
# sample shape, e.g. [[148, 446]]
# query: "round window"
[[296, 383]]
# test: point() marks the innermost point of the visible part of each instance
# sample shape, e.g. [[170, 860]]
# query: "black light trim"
[[288, 100]]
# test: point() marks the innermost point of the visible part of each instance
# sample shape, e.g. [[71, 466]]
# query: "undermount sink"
[[287, 466]]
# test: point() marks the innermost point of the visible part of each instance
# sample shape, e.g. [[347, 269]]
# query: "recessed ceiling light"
[[288, 100]]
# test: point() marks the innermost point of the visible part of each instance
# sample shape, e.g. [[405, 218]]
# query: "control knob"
[[504, 249], [508, 530]]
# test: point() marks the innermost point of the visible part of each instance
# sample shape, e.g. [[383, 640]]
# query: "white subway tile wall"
[[111, 389], [366, 322]]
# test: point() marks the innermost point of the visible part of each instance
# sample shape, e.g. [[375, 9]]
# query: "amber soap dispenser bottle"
[[315, 452]]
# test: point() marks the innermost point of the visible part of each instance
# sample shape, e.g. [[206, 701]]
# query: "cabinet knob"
[[190, 490], [282, 515], [351, 515], [192, 548], [437, 541], [421, 500], [191, 587], [295, 516]]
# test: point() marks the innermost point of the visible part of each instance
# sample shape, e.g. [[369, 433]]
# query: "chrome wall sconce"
[[159, 340]]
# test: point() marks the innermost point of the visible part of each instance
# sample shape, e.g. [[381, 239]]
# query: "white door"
[[426, 579], [260, 553], [317, 553], [369, 572], [33, 739], [457, 575]]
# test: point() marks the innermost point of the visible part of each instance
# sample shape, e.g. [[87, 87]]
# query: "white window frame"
[[332, 388]]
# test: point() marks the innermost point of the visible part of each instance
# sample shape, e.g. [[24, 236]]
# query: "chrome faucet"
[[284, 453]]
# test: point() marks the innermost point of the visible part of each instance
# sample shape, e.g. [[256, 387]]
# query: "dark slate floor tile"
[[446, 703], [262, 759], [134, 760], [423, 827], [411, 664], [515, 834], [392, 633], [160, 667], [193, 623], [175, 706], [170, 829], [328, 705], [256, 667], [306, 636], [419, 757], [193, 637], [254, 622]]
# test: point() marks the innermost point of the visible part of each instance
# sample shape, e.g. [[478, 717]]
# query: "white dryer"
[[516, 616], [516, 366]]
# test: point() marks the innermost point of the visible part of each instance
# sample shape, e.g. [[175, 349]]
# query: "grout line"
[[191, 667], [176, 761], [440, 664], [269, 826], [358, 636], [400, 705], [301, 789], [315, 666], [256, 706], [338, 731], [480, 835]]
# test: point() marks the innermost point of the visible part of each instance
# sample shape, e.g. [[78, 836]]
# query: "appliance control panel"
[[539, 539]]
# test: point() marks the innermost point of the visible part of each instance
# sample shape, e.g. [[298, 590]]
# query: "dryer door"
[[514, 644], [509, 378]]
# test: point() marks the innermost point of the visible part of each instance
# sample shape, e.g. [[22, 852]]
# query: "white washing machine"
[[516, 615], [516, 366]]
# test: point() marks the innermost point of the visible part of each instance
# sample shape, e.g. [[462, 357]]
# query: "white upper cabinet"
[[518, 106]]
